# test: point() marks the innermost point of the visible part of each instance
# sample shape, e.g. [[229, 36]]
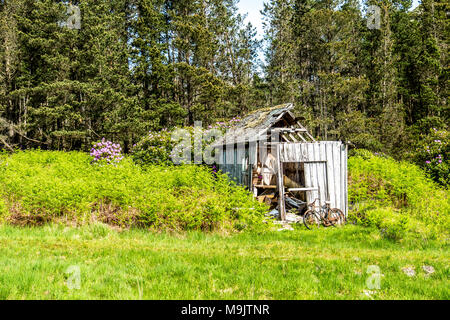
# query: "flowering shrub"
[[153, 148], [432, 154], [157, 147], [106, 151]]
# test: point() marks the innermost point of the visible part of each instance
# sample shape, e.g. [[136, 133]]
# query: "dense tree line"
[[378, 87], [132, 66], [139, 65]]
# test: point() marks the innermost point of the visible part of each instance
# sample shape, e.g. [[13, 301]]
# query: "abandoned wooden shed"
[[274, 156]]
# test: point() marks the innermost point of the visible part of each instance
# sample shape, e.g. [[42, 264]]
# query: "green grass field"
[[137, 264]]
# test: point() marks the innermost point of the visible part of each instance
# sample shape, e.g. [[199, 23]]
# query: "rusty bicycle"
[[318, 214]]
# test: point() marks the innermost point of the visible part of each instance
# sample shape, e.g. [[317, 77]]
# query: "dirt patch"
[[22, 220], [108, 213]]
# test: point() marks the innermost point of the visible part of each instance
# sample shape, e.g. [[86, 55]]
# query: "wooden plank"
[[302, 189], [262, 150], [229, 161], [320, 174], [235, 174], [304, 152], [285, 138], [253, 153], [240, 162], [224, 158], [307, 169], [286, 152], [249, 171], [288, 129], [346, 179], [312, 172], [326, 191], [229, 154], [253, 162], [298, 149], [264, 186], [292, 137], [317, 172], [306, 131], [280, 184], [344, 175], [337, 175], [283, 152], [341, 177], [290, 152], [330, 173], [301, 137]]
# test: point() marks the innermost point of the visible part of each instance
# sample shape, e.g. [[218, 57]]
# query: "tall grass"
[[330, 263], [66, 186]]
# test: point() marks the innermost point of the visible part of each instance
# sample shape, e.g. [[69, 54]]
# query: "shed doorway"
[[305, 181]]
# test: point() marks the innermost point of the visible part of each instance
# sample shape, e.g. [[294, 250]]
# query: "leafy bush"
[[64, 186], [159, 147], [154, 148], [396, 196], [391, 222], [432, 154]]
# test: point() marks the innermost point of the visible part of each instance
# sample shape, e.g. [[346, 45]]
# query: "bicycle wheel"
[[336, 217], [311, 220]]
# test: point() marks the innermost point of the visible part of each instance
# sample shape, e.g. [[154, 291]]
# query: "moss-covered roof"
[[257, 123]]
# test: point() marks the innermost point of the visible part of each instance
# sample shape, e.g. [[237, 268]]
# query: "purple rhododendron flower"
[[106, 150]]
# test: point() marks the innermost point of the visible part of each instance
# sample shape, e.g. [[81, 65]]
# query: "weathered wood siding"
[[325, 165], [236, 162]]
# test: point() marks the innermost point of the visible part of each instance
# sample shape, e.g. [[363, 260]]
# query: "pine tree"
[[432, 58]]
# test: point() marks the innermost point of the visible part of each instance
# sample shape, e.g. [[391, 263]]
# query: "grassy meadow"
[[73, 230], [327, 264]]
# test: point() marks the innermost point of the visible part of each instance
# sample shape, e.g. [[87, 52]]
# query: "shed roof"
[[265, 118], [257, 123]]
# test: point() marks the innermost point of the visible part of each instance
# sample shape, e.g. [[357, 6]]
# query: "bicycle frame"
[[322, 214], [322, 211]]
